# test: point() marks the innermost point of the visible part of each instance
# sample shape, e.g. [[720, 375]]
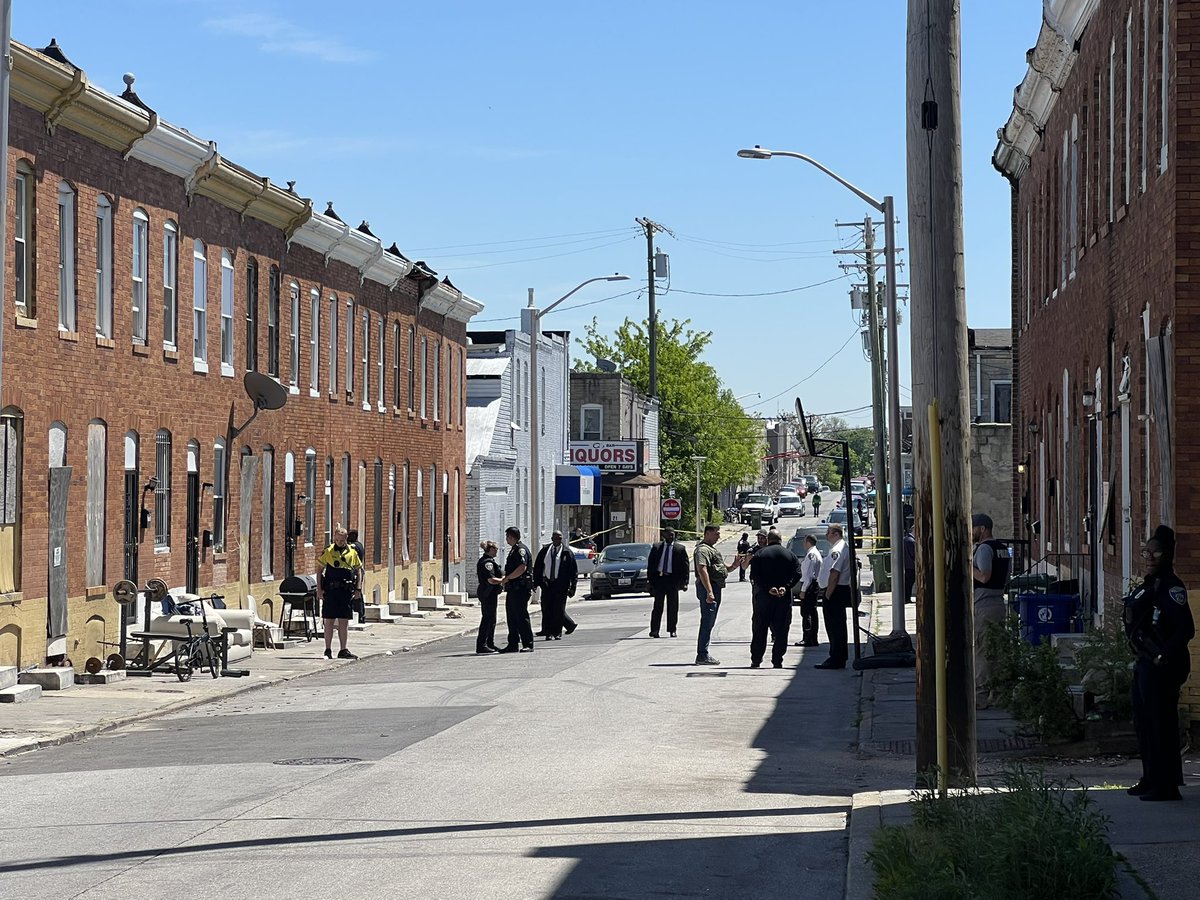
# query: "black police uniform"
[[743, 546], [773, 566], [516, 599], [489, 594], [1159, 624]]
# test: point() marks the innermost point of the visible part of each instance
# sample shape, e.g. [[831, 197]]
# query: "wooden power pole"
[[939, 363]]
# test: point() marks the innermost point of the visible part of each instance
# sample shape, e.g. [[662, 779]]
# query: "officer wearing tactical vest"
[[989, 566], [338, 577]]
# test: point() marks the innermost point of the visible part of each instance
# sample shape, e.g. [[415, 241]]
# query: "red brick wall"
[[73, 378], [1096, 317]]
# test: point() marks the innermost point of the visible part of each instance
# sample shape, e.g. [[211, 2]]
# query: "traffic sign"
[[671, 508]]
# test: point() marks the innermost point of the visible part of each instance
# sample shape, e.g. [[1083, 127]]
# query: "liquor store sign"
[[608, 456]]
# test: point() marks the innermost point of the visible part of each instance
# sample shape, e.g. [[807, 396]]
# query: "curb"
[[87, 731], [866, 817]]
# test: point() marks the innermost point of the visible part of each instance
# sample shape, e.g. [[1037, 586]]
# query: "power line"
[[803, 287], [512, 262], [565, 308], [853, 335], [550, 237]]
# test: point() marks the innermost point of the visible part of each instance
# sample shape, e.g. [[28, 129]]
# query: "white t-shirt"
[[810, 568], [837, 561]]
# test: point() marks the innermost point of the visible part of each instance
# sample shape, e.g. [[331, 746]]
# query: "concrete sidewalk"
[[61, 716], [1157, 840]]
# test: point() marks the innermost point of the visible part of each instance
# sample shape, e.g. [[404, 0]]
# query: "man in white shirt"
[[836, 575], [810, 588]]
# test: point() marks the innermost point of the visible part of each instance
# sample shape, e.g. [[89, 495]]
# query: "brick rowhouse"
[[1100, 151], [369, 346]]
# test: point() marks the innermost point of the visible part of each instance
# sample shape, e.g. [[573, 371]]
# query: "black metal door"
[[192, 574], [445, 538], [289, 533], [132, 535]]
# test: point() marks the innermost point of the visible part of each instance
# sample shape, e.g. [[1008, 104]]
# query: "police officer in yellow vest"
[[339, 570]]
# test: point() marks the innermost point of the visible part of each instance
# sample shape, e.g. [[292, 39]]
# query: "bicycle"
[[197, 651]]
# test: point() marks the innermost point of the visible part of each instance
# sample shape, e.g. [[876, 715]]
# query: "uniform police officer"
[[835, 572], [773, 571], [1158, 622], [518, 585]]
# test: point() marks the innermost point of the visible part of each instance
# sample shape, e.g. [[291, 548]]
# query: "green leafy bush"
[[1027, 680], [1106, 663], [1033, 838]]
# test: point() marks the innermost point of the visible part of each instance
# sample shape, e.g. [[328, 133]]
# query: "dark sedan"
[[621, 569]]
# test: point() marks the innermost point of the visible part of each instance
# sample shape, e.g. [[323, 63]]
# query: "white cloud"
[[278, 36]]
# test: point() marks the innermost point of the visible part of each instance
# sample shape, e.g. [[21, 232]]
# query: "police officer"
[[773, 571], [990, 563], [1158, 622], [810, 589], [835, 572], [489, 574], [518, 585], [338, 576]]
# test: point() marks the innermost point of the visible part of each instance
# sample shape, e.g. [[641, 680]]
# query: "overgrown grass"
[[1033, 838]]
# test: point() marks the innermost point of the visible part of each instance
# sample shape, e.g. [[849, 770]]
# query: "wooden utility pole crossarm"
[[939, 362]]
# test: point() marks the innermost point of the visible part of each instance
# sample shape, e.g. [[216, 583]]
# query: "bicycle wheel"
[[214, 658], [183, 662]]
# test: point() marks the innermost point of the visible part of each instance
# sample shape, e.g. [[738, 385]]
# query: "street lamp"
[[535, 425], [887, 206], [698, 460]]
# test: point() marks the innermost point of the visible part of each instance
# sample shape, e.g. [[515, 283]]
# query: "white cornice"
[[439, 299], [464, 309], [171, 149], [1050, 63]]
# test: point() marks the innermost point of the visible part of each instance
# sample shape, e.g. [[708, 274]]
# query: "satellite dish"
[[265, 391], [806, 438]]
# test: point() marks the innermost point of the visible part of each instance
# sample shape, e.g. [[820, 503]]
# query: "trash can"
[[756, 520], [1029, 582], [1042, 615], [881, 571]]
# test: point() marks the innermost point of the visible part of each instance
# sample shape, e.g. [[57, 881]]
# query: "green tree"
[[698, 416], [862, 448]]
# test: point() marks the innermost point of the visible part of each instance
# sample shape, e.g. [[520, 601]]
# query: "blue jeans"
[[708, 617]]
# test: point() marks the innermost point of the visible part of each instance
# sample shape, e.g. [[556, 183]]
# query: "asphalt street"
[[601, 765]]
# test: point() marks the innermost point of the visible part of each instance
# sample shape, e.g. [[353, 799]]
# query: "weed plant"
[[1027, 680], [1032, 839]]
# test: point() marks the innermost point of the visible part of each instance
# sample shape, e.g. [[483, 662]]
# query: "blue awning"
[[576, 486]]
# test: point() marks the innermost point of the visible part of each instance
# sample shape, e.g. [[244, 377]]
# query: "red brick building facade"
[[1106, 289], [146, 275]]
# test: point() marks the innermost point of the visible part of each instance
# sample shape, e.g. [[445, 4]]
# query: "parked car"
[[789, 505], [757, 503], [621, 569], [585, 559], [799, 488], [740, 498], [813, 483]]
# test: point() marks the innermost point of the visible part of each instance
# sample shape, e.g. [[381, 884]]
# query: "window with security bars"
[[162, 492]]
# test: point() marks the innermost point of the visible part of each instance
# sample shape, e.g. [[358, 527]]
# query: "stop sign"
[[671, 508]]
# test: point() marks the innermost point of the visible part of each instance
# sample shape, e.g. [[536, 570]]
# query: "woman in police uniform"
[[489, 574], [1158, 622]]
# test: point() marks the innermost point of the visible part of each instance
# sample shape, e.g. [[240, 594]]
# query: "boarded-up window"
[[97, 474]]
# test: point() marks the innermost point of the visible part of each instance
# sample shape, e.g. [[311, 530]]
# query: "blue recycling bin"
[[1042, 615]]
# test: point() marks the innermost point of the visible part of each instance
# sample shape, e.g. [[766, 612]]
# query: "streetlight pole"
[[535, 418], [887, 206], [698, 460]]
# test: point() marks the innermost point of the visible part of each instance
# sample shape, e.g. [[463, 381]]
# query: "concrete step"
[[430, 603], [8, 676], [402, 607], [376, 613], [354, 626], [20, 693], [58, 678], [104, 676], [458, 598]]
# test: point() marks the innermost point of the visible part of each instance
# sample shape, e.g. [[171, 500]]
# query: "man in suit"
[[556, 573], [667, 569]]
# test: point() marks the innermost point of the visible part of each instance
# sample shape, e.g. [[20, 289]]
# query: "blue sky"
[[512, 145]]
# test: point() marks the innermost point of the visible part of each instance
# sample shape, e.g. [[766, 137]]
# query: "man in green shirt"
[[711, 570]]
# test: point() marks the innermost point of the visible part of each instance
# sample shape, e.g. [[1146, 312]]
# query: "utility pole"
[[650, 226], [878, 389], [939, 362]]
